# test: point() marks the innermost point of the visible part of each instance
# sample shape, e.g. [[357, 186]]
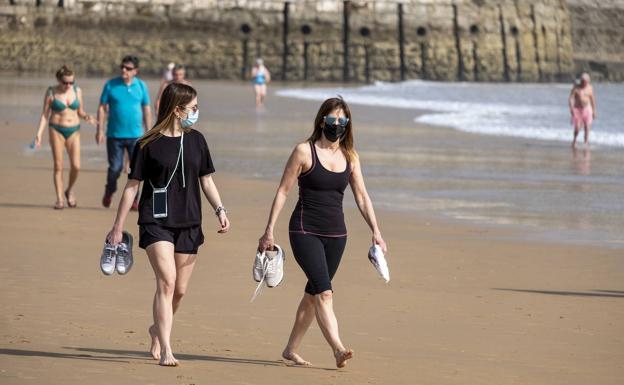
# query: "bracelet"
[[219, 209]]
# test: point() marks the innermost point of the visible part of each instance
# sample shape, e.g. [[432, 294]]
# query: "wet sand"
[[466, 304]]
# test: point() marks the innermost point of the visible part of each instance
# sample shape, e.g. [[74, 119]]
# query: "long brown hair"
[[346, 141], [175, 95]]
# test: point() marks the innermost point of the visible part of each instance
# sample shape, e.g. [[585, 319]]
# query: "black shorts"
[[186, 240], [319, 258]]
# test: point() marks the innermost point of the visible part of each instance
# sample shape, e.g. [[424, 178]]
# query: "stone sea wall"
[[326, 40], [598, 36]]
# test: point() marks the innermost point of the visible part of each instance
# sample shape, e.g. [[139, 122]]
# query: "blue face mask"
[[191, 119]]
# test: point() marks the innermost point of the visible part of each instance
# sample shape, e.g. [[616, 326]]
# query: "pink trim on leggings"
[[320, 235]]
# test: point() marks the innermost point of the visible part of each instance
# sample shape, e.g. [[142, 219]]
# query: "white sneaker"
[[377, 258], [258, 266], [124, 254], [268, 266], [274, 266], [108, 259]]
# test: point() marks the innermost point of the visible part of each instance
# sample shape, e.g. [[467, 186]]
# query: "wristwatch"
[[219, 209]]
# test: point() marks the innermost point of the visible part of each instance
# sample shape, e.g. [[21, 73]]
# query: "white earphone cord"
[[180, 156]]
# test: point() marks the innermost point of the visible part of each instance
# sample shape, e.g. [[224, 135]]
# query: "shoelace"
[[270, 266], [259, 263], [109, 254], [123, 254], [265, 268]]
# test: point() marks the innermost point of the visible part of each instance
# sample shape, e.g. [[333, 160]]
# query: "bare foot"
[[167, 359], [155, 348], [294, 357], [342, 357], [71, 199]]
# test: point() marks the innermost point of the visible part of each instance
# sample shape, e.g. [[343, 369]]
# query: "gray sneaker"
[[108, 258], [124, 254]]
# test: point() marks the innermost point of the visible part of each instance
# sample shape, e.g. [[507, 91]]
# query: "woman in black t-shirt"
[[174, 161], [323, 166]]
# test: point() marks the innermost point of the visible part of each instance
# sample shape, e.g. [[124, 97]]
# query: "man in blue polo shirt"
[[126, 101]]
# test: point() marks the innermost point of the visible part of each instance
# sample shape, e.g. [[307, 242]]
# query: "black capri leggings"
[[319, 258]]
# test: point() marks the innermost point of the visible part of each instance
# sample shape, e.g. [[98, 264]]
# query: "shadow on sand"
[[126, 356], [592, 293], [47, 207]]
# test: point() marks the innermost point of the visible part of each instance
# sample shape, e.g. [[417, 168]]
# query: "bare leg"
[[155, 343], [586, 139], [326, 319], [262, 94], [56, 143], [184, 269], [73, 148], [161, 257], [303, 318], [258, 97], [576, 132]]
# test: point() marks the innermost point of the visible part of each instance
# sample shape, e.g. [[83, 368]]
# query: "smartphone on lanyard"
[[159, 195], [159, 202]]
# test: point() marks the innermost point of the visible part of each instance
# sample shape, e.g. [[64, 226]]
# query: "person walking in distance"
[[62, 110], [260, 76], [582, 105], [178, 75], [125, 102]]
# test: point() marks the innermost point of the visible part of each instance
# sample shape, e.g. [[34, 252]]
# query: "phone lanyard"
[[180, 156]]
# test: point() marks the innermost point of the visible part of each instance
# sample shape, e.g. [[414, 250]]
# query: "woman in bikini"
[[62, 111]]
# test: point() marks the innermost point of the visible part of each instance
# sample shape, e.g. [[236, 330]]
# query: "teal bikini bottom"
[[65, 131]]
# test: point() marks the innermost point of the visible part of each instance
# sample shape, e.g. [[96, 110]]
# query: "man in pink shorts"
[[582, 107]]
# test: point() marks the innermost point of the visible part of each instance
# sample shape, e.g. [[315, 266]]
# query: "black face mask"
[[333, 132]]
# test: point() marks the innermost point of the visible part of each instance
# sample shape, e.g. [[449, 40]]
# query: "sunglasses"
[[195, 108], [331, 120], [123, 67], [67, 83]]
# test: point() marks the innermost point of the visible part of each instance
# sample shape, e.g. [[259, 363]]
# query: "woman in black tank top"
[[323, 166]]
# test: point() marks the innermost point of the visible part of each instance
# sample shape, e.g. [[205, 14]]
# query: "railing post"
[[401, 42], [346, 9], [504, 39], [285, 39], [460, 57]]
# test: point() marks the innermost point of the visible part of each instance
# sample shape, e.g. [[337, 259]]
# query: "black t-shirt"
[[156, 161]]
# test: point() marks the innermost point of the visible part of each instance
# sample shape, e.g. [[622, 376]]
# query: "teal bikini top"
[[57, 105]]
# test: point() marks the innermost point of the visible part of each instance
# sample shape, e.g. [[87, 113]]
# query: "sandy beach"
[[466, 304]]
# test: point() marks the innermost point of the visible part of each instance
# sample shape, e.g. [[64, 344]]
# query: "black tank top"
[[319, 209]]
